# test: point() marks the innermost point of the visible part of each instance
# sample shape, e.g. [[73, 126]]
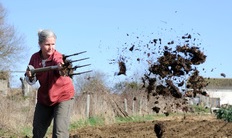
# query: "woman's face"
[[48, 47]]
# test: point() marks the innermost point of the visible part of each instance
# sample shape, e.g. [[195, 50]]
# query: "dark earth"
[[193, 126]]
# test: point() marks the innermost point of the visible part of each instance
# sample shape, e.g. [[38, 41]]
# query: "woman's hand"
[[60, 66], [61, 69], [29, 75]]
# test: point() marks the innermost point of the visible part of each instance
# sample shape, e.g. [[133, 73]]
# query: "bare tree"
[[11, 44], [92, 82]]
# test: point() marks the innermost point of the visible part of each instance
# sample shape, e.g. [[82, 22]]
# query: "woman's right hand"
[[29, 75]]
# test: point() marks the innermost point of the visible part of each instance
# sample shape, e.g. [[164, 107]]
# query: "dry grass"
[[17, 112]]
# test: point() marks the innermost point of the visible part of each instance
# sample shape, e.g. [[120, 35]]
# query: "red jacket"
[[54, 88]]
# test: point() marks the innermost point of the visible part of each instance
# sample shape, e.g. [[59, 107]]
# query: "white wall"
[[225, 95]]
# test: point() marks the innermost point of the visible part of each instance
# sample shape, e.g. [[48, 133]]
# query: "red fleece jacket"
[[54, 88]]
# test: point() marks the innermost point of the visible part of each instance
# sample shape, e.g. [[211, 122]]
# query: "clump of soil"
[[159, 129], [122, 68], [223, 75], [172, 69], [197, 83], [121, 65], [156, 109], [174, 72]]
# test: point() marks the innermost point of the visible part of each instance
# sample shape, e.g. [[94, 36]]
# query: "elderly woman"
[[55, 95]]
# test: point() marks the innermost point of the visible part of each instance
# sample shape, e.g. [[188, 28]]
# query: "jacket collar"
[[49, 58]]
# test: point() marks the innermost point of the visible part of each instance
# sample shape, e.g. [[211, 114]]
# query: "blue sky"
[[101, 28]]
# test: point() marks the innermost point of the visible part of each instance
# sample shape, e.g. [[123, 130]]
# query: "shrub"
[[225, 114]]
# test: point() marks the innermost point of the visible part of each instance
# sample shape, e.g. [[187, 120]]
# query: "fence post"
[[125, 105], [140, 106], [133, 107], [87, 105], [146, 104]]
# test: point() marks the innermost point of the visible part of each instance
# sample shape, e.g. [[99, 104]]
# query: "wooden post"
[[87, 105], [146, 107], [140, 106], [25, 87], [125, 105], [133, 107]]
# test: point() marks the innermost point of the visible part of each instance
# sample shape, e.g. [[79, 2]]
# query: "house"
[[220, 88]]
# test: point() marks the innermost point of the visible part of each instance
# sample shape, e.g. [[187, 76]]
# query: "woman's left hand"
[[61, 69]]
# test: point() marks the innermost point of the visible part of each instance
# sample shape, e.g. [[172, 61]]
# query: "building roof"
[[219, 83]]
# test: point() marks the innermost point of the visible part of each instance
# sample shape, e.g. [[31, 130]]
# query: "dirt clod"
[[159, 129], [172, 68], [122, 68]]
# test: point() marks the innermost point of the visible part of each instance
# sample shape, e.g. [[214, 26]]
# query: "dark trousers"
[[43, 117]]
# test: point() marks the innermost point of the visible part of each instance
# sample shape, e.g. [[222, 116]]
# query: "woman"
[[55, 95]]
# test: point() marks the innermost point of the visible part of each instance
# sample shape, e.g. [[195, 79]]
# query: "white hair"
[[43, 34]]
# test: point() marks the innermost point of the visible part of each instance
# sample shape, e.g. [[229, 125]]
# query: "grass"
[[93, 121], [136, 118], [7, 133], [200, 109], [99, 121], [27, 131]]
